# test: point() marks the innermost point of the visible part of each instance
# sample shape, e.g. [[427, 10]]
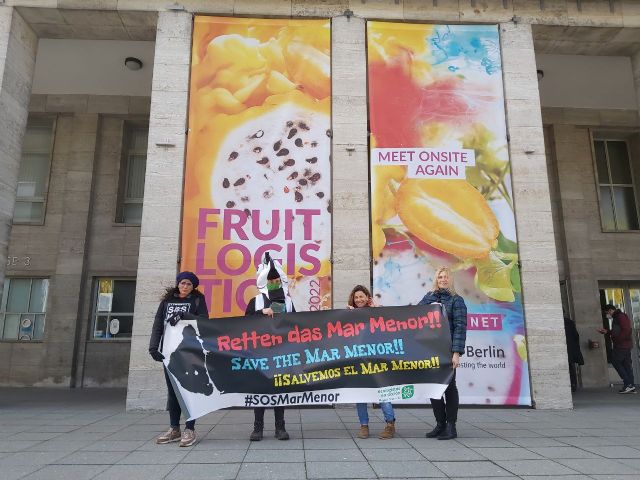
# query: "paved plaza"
[[86, 434]]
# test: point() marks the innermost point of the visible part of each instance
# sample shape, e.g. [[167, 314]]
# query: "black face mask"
[[276, 295]]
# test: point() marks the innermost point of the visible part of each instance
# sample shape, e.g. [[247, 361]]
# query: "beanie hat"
[[188, 276]]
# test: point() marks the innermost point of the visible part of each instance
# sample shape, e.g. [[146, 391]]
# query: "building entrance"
[[625, 296]]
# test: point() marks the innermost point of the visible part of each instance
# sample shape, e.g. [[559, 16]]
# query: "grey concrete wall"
[[555, 12], [591, 255], [160, 232], [536, 243], [18, 46], [78, 241]]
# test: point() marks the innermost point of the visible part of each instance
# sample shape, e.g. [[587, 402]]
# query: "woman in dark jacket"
[[178, 300], [446, 410], [574, 353]]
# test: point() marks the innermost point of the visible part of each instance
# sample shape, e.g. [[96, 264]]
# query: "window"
[[618, 210], [31, 193], [134, 164], [23, 307], [113, 308]]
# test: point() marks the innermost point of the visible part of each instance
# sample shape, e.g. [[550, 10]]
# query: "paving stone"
[[216, 456], [391, 454], [31, 458], [339, 470], [598, 466], [154, 458], [57, 445], [217, 444], [500, 453], [113, 446], [136, 472], [66, 472], [562, 452], [272, 471], [91, 458], [269, 456], [344, 455], [14, 472], [618, 451], [472, 469], [406, 469], [16, 446], [327, 444], [454, 454], [204, 472], [534, 467], [273, 444]]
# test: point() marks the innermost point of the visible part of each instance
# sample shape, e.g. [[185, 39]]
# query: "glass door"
[[625, 296]]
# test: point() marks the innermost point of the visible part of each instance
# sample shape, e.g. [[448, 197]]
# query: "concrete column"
[[68, 281], [18, 46], [351, 253], [539, 268], [160, 229], [635, 65]]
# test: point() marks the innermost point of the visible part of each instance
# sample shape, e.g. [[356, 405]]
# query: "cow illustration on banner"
[[441, 191], [258, 175]]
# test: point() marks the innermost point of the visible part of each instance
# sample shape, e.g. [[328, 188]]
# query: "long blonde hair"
[[449, 273]]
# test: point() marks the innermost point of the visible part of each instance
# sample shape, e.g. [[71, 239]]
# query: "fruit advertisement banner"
[[398, 354], [441, 191], [258, 169]]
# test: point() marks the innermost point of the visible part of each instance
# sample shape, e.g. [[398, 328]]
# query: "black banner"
[[349, 355]]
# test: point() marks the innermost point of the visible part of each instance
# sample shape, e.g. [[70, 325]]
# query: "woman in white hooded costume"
[[273, 286]]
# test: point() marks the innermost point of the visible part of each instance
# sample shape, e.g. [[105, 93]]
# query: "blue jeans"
[[363, 414]]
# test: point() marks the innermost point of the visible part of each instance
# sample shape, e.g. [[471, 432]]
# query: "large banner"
[[399, 354], [258, 173], [441, 191]]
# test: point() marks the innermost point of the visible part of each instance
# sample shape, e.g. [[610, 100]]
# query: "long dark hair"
[[356, 289], [171, 292]]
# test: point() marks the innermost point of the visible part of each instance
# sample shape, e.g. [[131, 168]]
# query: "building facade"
[[92, 169]]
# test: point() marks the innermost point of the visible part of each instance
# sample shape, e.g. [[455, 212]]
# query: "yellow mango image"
[[449, 215], [384, 203]]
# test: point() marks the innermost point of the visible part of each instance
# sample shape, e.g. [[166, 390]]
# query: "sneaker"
[[171, 435], [188, 437], [628, 389], [364, 431]]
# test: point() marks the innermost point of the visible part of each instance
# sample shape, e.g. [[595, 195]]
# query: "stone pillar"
[[542, 305], [351, 253], [635, 65], [161, 214], [18, 46]]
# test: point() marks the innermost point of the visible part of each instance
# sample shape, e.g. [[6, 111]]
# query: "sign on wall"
[[441, 191], [258, 159]]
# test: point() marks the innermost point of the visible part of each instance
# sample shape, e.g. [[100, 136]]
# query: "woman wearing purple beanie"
[[176, 301]]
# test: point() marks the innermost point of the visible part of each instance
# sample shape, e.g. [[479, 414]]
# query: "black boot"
[[449, 432], [256, 435], [281, 433], [437, 430]]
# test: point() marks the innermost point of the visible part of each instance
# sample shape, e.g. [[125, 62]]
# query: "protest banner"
[[395, 354], [441, 191], [258, 165]]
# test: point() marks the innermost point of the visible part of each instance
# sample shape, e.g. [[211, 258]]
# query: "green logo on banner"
[[407, 392]]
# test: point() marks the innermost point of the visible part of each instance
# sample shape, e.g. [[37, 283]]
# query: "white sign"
[[427, 162]]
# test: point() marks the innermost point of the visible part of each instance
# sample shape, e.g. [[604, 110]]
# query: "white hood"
[[263, 272]]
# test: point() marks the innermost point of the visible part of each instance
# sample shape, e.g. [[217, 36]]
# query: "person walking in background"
[[620, 333], [176, 301], [446, 410], [360, 297], [574, 353], [273, 297]]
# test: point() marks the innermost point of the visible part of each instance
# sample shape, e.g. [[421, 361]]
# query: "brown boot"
[[389, 431], [364, 431]]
